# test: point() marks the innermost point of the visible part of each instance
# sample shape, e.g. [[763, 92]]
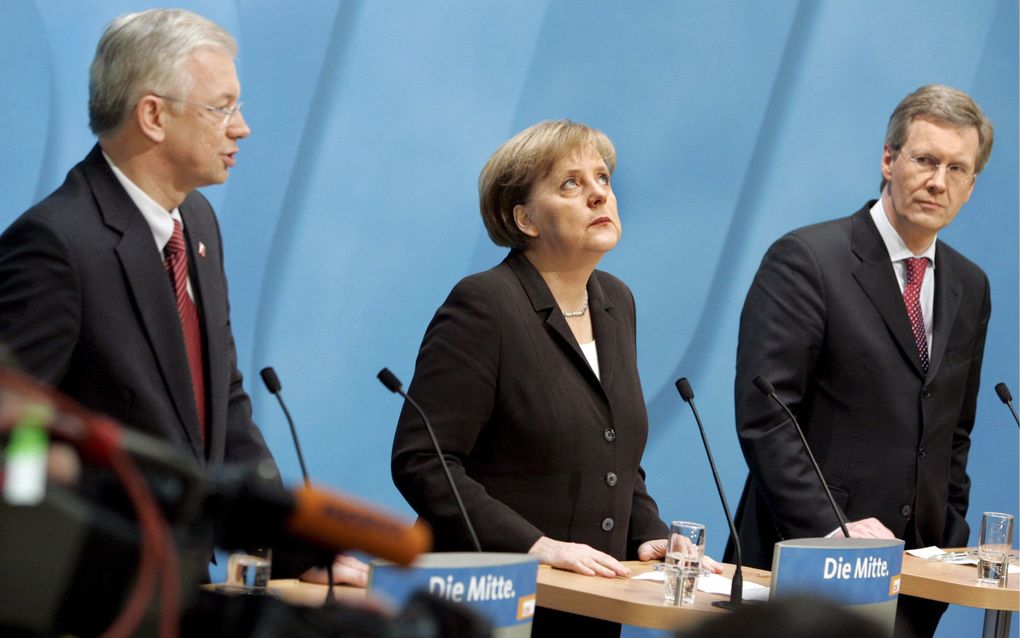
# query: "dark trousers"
[[549, 623], [917, 617]]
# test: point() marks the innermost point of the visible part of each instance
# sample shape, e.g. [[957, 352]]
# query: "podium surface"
[[956, 584], [628, 601]]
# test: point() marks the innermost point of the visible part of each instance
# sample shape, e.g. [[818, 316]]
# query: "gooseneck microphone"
[[273, 385], [768, 390], [393, 384], [737, 584], [1007, 398]]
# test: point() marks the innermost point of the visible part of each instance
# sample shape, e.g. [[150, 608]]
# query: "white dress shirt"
[[898, 251]]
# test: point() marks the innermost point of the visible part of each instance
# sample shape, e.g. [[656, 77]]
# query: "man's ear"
[[888, 155], [150, 116]]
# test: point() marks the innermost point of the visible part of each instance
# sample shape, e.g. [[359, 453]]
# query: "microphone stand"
[[272, 383], [737, 584], [393, 384], [766, 388]]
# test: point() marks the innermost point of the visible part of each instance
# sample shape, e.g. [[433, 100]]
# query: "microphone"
[[339, 523], [393, 384], [768, 390], [241, 504], [737, 584], [1007, 398], [273, 385]]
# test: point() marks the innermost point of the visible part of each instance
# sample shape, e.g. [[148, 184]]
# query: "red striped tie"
[[912, 298], [176, 264]]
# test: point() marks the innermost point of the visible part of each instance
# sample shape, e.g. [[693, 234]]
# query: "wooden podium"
[[622, 600], [640, 602], [957, 584], [628, 601]]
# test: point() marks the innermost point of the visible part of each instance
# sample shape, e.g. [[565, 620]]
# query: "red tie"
[[176, 264], [912, 298]]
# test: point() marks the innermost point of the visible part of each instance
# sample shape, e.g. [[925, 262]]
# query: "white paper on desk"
[[719, 584], [713, 584], [926, 552]]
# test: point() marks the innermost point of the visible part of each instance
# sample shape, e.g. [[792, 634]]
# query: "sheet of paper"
[[718, 584], [713, 584], [926, 552]]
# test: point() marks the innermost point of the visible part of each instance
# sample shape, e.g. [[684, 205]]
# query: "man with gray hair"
[[873, 332], [112, 289]]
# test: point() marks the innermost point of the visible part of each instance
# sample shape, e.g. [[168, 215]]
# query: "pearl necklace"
[[579, 313]]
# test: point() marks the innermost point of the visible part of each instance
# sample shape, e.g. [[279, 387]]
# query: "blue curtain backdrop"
[[353, 208]]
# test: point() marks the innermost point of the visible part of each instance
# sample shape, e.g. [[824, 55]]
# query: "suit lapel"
[[604, 325], [876, 277], [542, 301], [947, 302], [149, 286]]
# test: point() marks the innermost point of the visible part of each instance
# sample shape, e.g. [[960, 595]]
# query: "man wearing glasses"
[[112, 289], [873, 332]]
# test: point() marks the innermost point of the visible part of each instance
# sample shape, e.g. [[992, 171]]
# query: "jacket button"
[[906, 511], [609, 434], [611, 479], [607, 524], [922, 453], [926, 393]]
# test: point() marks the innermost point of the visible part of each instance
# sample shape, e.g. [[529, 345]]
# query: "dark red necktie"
[[912, 298], [176, 264]]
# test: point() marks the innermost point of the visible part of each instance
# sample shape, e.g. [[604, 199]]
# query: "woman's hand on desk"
[[577, 557], [654, 550], [347, 570]]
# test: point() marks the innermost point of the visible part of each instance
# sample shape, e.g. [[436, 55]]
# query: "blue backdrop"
[[353, 209]]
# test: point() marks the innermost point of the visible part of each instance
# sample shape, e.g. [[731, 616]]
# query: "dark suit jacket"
[[86, 305], [537, 445], [825, 321]]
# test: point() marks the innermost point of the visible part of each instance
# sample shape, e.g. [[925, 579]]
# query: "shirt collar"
[[894, 244], [159, 220]]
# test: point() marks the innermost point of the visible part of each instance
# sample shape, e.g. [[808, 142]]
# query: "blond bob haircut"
[[944, 104], [523, 160], [145, 52]]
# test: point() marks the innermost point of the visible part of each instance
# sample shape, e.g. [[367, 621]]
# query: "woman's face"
[[572, 210]]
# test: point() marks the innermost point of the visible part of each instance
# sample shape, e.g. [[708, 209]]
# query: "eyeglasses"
[[928, 167], [225, 113]]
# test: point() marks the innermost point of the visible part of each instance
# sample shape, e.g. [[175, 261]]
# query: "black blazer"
[[825, 321], [537, 444], [86, 305]]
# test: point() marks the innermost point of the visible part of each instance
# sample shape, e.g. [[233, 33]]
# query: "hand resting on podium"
[[584, 559], [864, 528], [347, 570]]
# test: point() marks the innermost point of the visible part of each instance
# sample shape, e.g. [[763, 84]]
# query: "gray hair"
[[944, 104], [146, 52]]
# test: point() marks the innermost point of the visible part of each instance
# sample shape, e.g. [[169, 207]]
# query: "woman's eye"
[[604, 179], [570, 182]]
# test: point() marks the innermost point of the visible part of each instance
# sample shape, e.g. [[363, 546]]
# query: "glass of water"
[[995, 540], [248, 571], [684, 553]]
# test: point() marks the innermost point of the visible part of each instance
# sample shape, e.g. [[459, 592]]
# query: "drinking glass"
[[995, 541], [684, 552], [248, 571]]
